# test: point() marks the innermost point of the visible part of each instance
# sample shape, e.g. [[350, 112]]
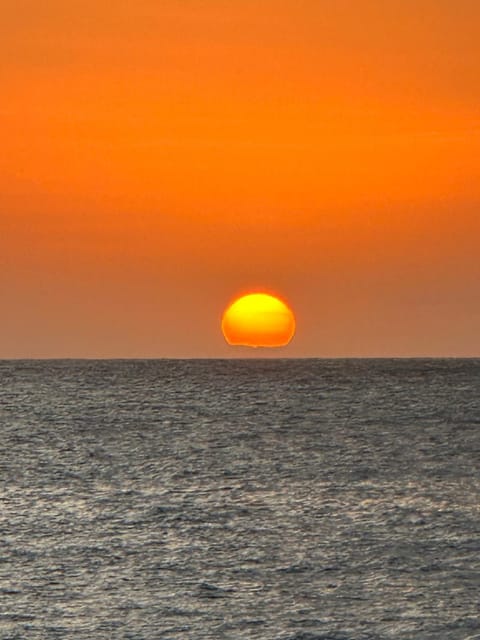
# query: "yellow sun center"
[[258, 320]]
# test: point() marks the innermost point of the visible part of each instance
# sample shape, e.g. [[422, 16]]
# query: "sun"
[[258, 320]]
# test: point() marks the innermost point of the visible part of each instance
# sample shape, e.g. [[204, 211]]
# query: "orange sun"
[[258, 320]]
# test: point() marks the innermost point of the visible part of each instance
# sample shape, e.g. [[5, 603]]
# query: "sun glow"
[[258, 320]]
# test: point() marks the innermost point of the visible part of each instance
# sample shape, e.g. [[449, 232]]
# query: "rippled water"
[[269, 499]]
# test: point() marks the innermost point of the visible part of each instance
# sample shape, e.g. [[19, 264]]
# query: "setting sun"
[[258, 320]]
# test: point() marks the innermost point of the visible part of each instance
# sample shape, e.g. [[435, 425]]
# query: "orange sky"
[[160, 156]]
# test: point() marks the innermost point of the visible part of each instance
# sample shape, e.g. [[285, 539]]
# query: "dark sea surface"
[[269, 499]]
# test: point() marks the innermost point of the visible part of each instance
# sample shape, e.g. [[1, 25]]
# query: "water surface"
[[267, 499]]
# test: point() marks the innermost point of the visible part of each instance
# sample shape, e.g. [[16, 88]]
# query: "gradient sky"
[[159, 157]]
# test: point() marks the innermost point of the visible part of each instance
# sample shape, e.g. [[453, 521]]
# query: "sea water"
[[270, 499]]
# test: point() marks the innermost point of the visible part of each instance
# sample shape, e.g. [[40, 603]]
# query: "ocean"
[[232, 499]]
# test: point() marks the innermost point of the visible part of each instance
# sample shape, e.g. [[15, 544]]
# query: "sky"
[[160, 157]]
